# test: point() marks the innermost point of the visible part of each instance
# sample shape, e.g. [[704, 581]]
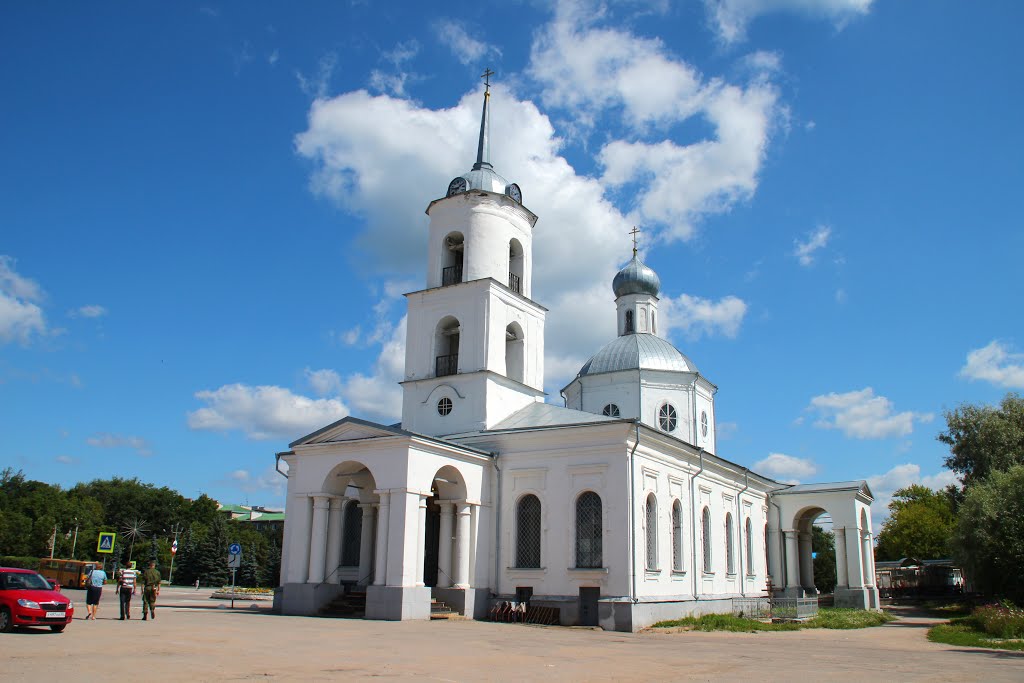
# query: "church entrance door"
[[432, 539], [588, 605]]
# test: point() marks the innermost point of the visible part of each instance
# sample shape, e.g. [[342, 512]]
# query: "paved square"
[[198, 639]]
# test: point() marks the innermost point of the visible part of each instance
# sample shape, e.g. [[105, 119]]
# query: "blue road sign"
[[234, 549]]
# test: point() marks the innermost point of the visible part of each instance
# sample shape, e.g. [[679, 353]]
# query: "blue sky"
[[209, 213]]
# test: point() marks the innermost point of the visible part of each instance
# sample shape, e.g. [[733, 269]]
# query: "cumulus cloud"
[[65, 460], [108, 440], [697, 317], [21, 317], [323, 382], [263, 412], [786, 468], [805, 249], [730, 18], [269, 480], [997, 364], [902, 476], [90, 311], [862, 415], [467, 49]]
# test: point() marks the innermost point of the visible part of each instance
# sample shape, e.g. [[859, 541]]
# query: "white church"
[[617, 509]]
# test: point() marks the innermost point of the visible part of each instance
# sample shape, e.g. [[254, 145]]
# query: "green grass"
[[963, 633], [832, 618]]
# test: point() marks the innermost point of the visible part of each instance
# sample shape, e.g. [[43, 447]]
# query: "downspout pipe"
[[739, 520], [497, 529], [632, 511], [693, 524]]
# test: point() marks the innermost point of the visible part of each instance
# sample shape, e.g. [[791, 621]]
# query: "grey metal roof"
[[636, 278], [831, 486], [546, 415], [637, 352], [485, 178]]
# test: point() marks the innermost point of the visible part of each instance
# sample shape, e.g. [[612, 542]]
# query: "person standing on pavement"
[[93, 592], [125, 591], [150, 589]]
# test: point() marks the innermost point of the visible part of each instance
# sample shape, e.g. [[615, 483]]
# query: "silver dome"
[[485, 178], [637, 352], [636, 278]]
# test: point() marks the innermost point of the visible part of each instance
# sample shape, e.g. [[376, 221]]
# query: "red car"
[[27, 599]]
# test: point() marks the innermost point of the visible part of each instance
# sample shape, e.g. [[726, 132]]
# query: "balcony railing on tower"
[[446, 365], [452, 275], [515, 283]]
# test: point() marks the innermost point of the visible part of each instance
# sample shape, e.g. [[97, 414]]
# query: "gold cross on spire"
[[487, 79], [634, 232]]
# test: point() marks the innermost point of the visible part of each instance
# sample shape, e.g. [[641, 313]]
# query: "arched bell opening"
[[515, 352]]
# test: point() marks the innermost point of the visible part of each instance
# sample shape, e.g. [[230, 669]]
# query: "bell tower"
[[474, 349]]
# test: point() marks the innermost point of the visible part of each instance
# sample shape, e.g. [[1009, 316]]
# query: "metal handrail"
[[452, 275], [515, 283], [446, 365]]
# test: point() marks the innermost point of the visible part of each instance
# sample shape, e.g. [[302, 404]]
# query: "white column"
[[792, 560], [806, 561], [462, 545], [318, 539], [421, 538], [855, 572], [334, 527], [380, 569], [867, 557], [366, 543], [774, 551], [444, 551], [841, 579], [298, 543]]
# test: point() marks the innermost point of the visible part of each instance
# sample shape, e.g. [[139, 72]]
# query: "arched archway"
[[807, 520], [350, 526], [447, 531]]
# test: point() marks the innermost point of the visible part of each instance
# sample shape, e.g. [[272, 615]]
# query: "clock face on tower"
[[456, 186], [514, 192]]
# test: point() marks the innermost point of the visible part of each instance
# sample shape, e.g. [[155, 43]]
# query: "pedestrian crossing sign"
[[106, 542]]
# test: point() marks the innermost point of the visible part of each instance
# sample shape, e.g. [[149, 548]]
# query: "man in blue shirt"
[[93, 592]]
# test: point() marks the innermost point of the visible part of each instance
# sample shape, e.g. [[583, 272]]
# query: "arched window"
[[528, 532], [611, 410], [588, 530], [667, 417], [629, 323], [677, 536], [446, 347], [730, 549], [643, 320], [705, 527], [515, 266], [453, 251], [515, 350], [748, 531], [352, 531], [651, 524]]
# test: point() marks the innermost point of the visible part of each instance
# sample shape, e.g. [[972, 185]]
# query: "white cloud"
[[323, 382], [317, 86], [730, 18], [902, 476], [862, 415], [274, 57], [108, 440], [394, 82], [378, 396], [786, 468], [90, 311], [467, 49], [818, 239], [21, 318], [65, 460], [269, 480], [263, 412], [997, 364], [698, 317]]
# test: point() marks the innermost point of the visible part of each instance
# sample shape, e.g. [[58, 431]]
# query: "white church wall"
[[659, 388], [618, 388]]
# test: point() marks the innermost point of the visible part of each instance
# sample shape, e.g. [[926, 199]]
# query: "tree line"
[[37, 518], [979, 521]]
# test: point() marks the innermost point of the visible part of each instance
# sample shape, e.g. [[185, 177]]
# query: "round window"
[[703, 423], [611, 410], [444, 406], [667, 417]]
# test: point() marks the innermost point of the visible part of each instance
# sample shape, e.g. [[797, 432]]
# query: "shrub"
[[19, 562], [1003, 620]]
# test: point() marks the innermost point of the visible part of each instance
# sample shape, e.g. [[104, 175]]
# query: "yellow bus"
[[68, 573]]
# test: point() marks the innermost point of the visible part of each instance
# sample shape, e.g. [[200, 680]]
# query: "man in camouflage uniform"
[[150, 589]]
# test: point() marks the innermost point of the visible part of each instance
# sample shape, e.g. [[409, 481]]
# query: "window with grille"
[[528, 532], [705, 527], [750, 546], [667, 417], [611, 410], [352, 531], [730, 550], [677, 536], [651, 523], [588, 530], [629, 322]]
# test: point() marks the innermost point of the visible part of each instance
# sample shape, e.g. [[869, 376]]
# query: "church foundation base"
[[397, 603], [856, 598], [465, 601], [304, 599]]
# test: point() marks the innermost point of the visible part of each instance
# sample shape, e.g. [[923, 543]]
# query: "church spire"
[[483, 148]]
